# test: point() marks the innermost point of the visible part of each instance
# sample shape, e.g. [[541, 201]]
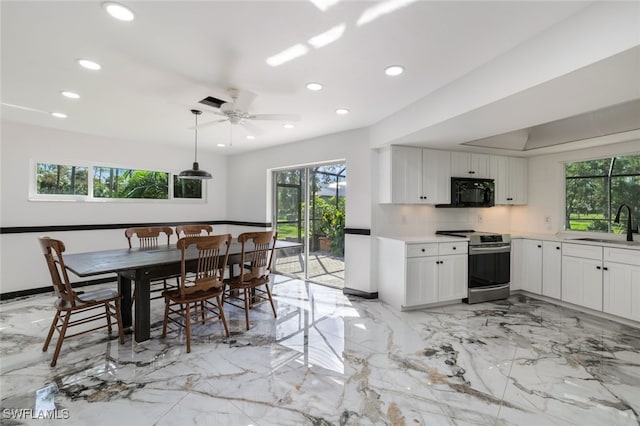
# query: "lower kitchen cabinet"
[[552, 269], [411, 275], [621, 283], [582, 275], [532, 266], [536, 267]]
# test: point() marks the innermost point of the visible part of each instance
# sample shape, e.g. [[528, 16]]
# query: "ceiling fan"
[[236, 111]]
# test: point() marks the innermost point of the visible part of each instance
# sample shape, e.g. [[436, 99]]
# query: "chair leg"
[[271, 300], [222, 317], [166, 317], [246, 306], [63, 331], [119, 321], [108, 312], [56, 317], [202, 310], [188, 319]]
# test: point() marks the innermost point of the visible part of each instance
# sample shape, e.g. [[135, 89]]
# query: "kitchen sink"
[[604, 240]]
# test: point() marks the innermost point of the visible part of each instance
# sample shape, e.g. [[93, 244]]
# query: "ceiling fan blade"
[[210, 123], [279, 117], [243, 100], [252, 129]]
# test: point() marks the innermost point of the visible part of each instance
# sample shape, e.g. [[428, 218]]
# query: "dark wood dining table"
[[142, 266]]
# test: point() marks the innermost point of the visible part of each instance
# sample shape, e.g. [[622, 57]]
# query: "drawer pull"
[[454, 248], [423, 250]]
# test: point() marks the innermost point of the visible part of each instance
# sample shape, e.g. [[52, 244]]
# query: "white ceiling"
[[157, 68]]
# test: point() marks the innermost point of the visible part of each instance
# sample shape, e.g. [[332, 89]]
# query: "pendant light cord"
[[196, 156]]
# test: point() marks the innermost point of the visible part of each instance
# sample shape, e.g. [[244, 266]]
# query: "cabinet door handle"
[[557, 248], [597, 267], [423, 250], [605, 268], [454, 248], [539, 246], [471, 172], [509, 199]]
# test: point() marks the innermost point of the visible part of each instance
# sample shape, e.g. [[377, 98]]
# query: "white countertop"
[[621, 244], [423, 239]]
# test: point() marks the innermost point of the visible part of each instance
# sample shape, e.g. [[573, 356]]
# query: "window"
[[595, 189], [61, 179], [186, 188], [73, 182]]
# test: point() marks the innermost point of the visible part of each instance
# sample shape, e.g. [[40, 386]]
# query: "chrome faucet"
[[617, 220]]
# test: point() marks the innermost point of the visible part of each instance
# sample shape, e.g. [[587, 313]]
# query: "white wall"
[[250, 190], [21, 263], [546, 187]]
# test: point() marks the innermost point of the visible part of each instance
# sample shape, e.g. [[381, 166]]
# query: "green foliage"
[[186, 188], [119, 183], [61, 179]]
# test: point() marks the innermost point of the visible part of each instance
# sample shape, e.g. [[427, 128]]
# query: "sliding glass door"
[[320, 227]]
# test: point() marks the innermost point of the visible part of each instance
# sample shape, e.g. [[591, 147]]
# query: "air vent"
[[212, 102]]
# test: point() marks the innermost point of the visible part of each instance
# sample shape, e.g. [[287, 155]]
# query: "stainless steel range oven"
[[489, 265]]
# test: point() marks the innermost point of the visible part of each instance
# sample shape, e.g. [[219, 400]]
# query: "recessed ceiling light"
[[221, 145], [342, 111], [70, 95], [59, 115], [314, 87], [118, 11], [288, 126], [394, 70], [90, 65], [250, 137]]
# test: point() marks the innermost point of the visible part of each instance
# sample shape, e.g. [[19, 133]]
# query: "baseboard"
[[360, 293]]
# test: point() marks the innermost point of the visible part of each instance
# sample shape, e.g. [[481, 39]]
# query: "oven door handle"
[[489, 288], [490, 249]]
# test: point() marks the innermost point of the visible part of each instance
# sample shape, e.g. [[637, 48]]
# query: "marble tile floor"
[[328, 359]]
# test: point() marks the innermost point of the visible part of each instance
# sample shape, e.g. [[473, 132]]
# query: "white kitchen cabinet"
[[552, 269], [621, 283], [517, 275], [510, 176], [409, 175], [532, 266], [452, 278], [422, 281], [411, 275], [582, 275], [464, 164]]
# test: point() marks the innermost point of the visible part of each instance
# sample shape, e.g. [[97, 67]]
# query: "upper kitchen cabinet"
[[464, 164], [411, 175], [510, 175]]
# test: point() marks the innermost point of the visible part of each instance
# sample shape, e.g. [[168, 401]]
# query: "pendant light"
[[195, 172]]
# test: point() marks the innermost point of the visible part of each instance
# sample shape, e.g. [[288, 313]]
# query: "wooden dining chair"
[[199, 295], [193, 230], [151, 237], [70, 302], [251, 286]]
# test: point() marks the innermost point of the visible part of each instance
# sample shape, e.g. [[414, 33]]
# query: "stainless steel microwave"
[[469, 192]]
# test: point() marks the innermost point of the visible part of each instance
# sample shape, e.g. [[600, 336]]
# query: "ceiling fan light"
[[288, 126], [250, 137], [70, 95], [342, 111]]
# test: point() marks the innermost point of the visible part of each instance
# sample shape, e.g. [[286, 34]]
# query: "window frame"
[[33, 184], [608, 184]]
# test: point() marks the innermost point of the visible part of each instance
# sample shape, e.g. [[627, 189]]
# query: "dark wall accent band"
[[357, 231], [62, 228], [49, 289], [360, 293]]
